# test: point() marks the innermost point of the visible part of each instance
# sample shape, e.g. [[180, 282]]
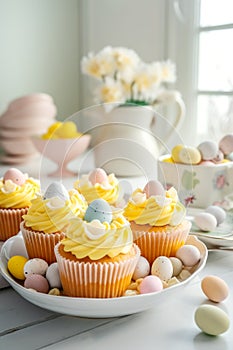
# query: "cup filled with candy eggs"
[[202, 175], [62, 143]]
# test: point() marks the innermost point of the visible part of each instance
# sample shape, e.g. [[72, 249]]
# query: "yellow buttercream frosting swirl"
[[108, 190], [13, 196], [97, 240], [156, 210], [53, 214]]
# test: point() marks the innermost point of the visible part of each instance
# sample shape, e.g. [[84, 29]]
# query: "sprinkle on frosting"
[[157, 210], [13, 196]]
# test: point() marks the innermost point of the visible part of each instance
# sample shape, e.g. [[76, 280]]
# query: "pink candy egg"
[[150, 284], [97, 175], [154, 188], [37, 282], [226, 144], [15, 176]]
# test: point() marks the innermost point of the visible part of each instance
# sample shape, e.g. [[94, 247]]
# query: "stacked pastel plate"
[[25, 116]]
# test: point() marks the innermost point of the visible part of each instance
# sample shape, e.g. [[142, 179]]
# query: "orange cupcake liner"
[[10, 220], [39, 244], [164, 242], [96, 279]]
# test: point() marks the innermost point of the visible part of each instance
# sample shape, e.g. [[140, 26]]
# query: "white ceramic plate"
[[99, 308], [222, 236]]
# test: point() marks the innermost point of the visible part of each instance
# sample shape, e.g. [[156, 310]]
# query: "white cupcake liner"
[[10, 220], [39, 244], [164, 242], [96, 279]]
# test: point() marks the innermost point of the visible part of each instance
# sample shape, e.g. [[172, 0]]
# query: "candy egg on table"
[[37, 282], [150, 284], [188, 254], [98, 175], [218, 212], [211, 319], [35, 266], [16, 266], [190, 155], [177, 265], [15, 176], [56, 189], [175, 153], [154, 188], [226, 144], [53, 277], [142, 268], [208, 150], [205, 221], [162, 267], [215, 288], [100, 210]]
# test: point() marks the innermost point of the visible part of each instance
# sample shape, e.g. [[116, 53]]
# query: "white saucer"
[[100, 308]]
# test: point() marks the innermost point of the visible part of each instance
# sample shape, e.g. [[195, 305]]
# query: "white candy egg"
[[53, 277], [208, 150], [205, 221], [56, 189], [35, 266], [142, 268], [218, 212], [188, 254], [177, 265], [162, 267]]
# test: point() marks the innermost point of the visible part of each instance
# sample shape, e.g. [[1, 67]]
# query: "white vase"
[[128, 140]]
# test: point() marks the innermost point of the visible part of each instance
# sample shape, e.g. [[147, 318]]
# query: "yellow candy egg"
[[175, 153], [168, 160], [67, 130], [16, 266], [190, 155]]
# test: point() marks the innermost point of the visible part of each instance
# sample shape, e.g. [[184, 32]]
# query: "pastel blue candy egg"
[[100, 210]]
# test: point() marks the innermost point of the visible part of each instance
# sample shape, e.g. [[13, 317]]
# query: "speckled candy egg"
[[16, 266], [154, 188], [53, 277], [98, 175], [176, 153], [37, 282], [150, 284], [215, 288], [56, 189], [100, 210], [205, 221], [226, 144], [177, 265], [218, 212], [190, 155], [15, 176], [162, 267], [211, 319], [142, 268], [35, 266], [208, 150], [188, 254]]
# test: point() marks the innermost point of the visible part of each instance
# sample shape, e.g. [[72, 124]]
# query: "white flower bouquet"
[[125, 79]]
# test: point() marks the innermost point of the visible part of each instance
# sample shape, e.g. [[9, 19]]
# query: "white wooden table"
[[166, 326]]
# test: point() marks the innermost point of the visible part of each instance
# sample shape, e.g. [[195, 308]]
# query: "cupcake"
[[157, 220], [97, 257], [47, 219], [16, 192], [97, 184]]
